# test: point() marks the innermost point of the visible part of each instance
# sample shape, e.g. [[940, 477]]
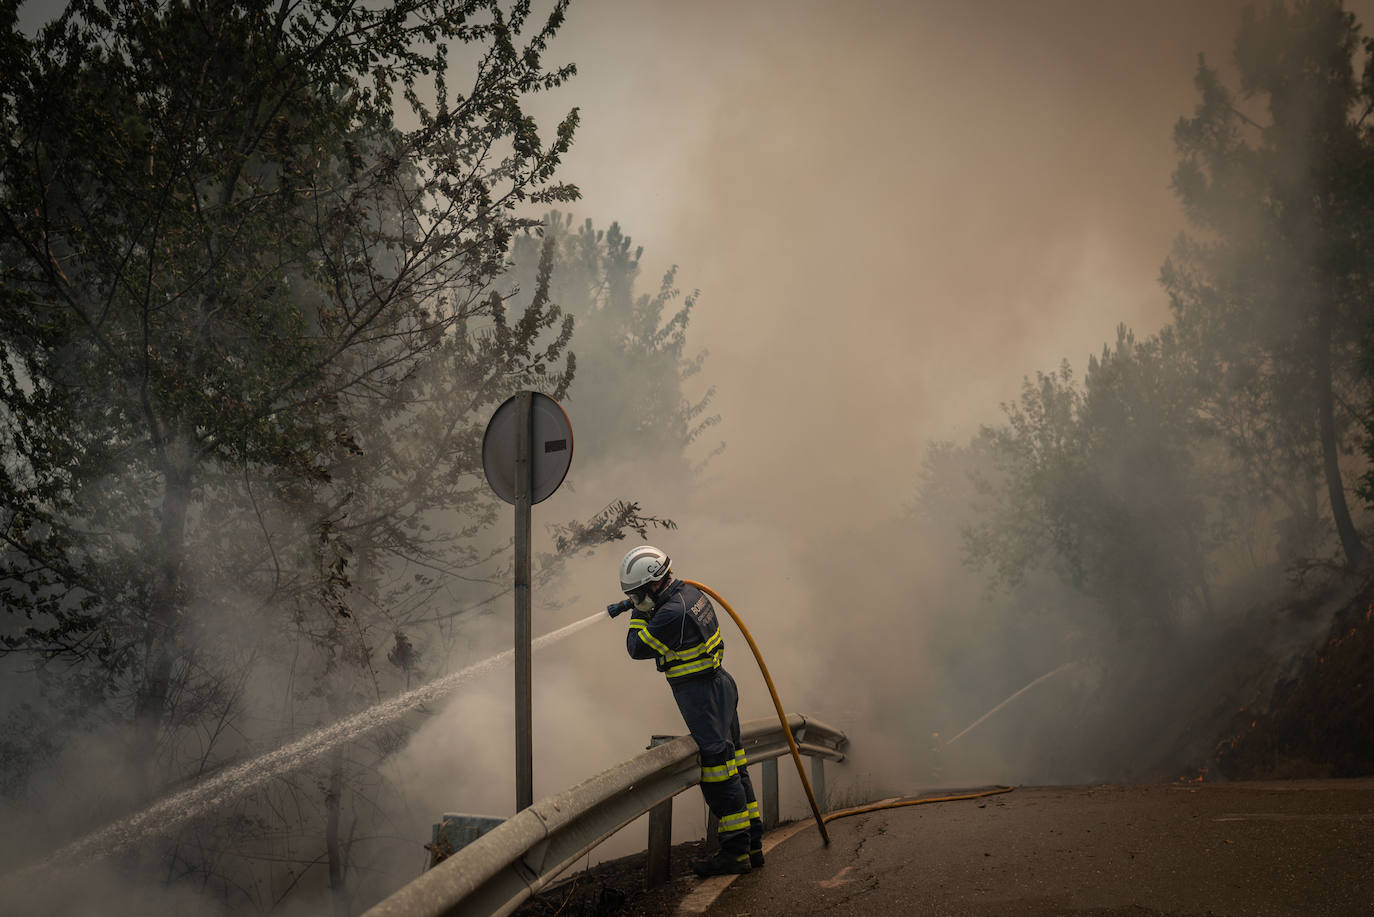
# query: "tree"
[[1039, 463], [1273, 298], [1150, 458], [636, 397], [250, 336], [215, 236], [238, 240], [1367, 482], [1102, 484]]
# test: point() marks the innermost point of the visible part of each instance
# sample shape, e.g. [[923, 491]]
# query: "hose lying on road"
[[919, 801]]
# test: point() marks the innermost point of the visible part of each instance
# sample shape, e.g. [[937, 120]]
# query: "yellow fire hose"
[[874, 807], [782, 717], [796, 753]]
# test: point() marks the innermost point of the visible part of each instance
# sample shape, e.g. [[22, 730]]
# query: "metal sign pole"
[[526, 452], [524, 730]]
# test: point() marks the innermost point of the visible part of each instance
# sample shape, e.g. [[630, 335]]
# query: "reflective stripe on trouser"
[[752, 807], [727, 802], [708, 706], [718, 773], [755, 816], [735, 821]]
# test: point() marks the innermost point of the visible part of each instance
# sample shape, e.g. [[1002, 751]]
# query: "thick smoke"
[[894, 212]]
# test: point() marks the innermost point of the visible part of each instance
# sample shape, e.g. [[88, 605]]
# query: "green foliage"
[[250, 337], [225, 264], [608, 525]]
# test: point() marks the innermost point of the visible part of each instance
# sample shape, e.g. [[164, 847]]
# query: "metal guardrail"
[[519, 858]]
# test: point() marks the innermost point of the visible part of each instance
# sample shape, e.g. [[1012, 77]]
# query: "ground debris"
[[1317, 721], [616, 888]]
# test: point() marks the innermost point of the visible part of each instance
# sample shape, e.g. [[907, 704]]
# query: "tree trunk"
[[333, 799], [1326, 418], [164, 610]]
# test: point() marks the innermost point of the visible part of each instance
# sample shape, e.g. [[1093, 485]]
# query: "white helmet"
[[643, 565]]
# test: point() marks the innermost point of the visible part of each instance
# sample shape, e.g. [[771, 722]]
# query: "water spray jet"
[[204, 797], [1046, 677]]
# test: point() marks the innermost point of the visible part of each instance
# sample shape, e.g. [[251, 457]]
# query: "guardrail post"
[[818, 782], [768, 794], [660, 833]]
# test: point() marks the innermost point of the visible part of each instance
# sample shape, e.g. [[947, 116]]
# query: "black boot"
[[722, 864], [756, 858]]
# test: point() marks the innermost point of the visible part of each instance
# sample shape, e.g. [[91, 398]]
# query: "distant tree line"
[[1240, 437]]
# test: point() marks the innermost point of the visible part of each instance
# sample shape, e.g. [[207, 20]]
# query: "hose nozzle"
[[619, 607]]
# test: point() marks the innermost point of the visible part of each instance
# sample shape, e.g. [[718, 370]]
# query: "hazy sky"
[[894, 211]]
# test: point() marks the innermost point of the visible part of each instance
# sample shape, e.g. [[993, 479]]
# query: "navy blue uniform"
[[682, 637]]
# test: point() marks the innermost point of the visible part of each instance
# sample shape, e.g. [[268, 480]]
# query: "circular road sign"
[[551, 445]]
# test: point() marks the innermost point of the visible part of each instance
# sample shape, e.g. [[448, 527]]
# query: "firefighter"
[[675, 625]]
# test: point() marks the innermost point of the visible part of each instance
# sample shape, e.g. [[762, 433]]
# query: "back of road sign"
[[551, 445]]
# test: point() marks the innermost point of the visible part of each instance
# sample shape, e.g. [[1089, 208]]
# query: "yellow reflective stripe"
[[688, 668], [753, 810], [739, 821], [692, 652], [658, 646], [697, 665], [740, 760], [718, 773], [700, 665]]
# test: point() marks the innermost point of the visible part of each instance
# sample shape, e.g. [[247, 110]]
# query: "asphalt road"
[[1238, 849]]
